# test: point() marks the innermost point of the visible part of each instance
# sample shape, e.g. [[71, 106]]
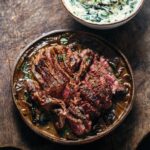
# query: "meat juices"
[[75, 86]]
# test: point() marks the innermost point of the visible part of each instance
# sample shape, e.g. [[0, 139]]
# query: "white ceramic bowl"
[[102, 26]]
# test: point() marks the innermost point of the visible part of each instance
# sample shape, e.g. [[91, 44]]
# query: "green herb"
[[98, 19], [132, 5], [127, 2], [61, 57], [72, 2], [64, 41], [105, 14], [25, 69], [66, 132], [113, 66], [89, 59], [26, 96], [86, 6], [43, 118]]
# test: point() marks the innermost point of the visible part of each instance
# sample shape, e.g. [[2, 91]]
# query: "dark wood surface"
[[21, 21]]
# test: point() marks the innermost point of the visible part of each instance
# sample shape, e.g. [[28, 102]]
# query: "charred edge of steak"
[[69, 61], [87, 56]]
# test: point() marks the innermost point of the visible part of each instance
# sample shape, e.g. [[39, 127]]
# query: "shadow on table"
[[145, 143], [9, 148]]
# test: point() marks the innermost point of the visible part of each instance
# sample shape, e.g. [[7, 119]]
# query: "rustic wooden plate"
[[121, 107]]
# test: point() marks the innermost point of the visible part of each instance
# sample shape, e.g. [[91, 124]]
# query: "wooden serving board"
[[23, 21]]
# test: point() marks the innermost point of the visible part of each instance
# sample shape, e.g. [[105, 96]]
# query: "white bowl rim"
[[104, 24]]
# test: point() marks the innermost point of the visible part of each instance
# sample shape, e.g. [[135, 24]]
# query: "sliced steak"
[[100, 84], [87, 56], [77, 86]]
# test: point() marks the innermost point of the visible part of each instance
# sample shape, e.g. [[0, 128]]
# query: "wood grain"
[[23, 21]]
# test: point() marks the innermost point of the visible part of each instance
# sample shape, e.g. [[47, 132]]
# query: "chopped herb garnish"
[[89, 59], [61, 57], [25, 69], [64, 41]]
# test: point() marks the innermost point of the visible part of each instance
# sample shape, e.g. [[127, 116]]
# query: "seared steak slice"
[[40, 96], [48, 103], [87, 56], [69, 61], [48, 74], [89, 109], [73, 61], [101, 69], [100, 84], [78, 126]]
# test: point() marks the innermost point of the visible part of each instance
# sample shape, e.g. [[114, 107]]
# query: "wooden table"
[[21, 21]]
